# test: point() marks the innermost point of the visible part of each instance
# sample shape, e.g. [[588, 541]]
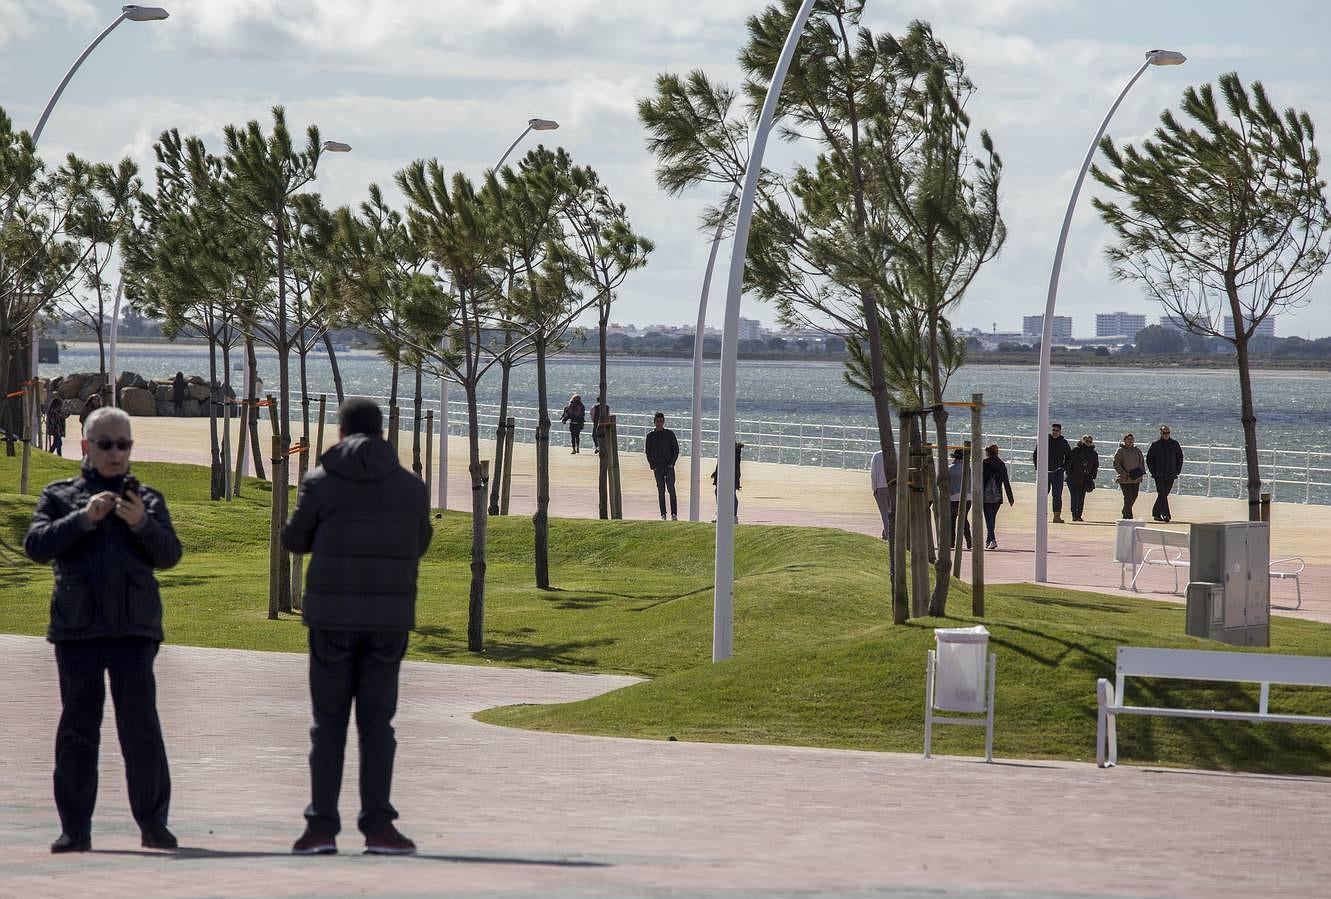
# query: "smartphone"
[[129, 485]]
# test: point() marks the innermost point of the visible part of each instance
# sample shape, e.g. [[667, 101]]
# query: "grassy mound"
[[816, 660]]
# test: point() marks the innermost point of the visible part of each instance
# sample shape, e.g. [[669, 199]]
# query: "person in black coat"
[[1059, 451], [365, 521], [1083, 465], [1164, 460], [662, 448], [994, 478], [575, 413], [599, 413], [104, 533], [739, 449]]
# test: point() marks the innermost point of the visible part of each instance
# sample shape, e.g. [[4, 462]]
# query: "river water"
[[1201, 406]]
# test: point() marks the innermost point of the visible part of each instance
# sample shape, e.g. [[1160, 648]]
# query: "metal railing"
[[1302, 476]]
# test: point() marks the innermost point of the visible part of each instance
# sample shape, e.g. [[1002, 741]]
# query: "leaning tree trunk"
[[392, 394], [219, 463], [1249, 419], [942, 488], [303, 351], [501, 429], [416, 465], [882, 410], [332, 363], [479, 520], [598, 429], [251, 426], [541, 520]]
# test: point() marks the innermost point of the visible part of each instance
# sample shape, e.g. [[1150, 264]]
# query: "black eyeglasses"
[[104, 444]]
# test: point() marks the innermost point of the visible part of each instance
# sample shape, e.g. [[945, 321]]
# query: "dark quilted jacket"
[[104, 583], [365, 521]]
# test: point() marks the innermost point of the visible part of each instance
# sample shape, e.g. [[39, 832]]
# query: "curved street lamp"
[[1153, 58], [442, 490]]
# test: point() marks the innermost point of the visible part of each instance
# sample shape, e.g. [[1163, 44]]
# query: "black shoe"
[[66, 843], [388, 842], [311, 843], [156, 836]]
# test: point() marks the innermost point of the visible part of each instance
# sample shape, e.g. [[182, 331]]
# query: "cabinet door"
[[1259, 566]]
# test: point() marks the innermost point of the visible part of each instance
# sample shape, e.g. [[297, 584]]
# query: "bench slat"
[[1223, 715], [1213, 665]]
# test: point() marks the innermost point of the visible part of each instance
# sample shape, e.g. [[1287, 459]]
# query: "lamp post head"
[[1166, 57], [144, 13], [542, 124], [336, 146]]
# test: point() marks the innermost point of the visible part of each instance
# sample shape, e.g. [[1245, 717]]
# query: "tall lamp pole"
[[723, 602], [532, 125], [133, 14], [1153, 58]]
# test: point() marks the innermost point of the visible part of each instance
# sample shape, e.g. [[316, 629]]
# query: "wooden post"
[[393, 414], [919, 537], [977, 508], [508, 465], [275, 523], [319, 432], [501, 460], [429, 451], [959, 529], [298, 562], [1266, 507], [242, 438], [272, 417], [900, 596], [29, 403], [611, 443]]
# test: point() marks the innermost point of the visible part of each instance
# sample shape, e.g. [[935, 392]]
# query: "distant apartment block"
[[1032, 326], [1172, 323], [750, 329], [1118, 324], [1267, 328]]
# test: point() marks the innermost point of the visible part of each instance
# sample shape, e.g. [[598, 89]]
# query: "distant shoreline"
[[1072, 359]]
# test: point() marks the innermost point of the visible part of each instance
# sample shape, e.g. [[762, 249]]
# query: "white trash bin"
[[960, 678]]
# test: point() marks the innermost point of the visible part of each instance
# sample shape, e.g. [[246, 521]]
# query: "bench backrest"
[[1203, 664], [1161, 537]]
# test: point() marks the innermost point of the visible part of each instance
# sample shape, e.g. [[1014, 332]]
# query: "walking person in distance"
[[1083, 466], [104, 534], [994, 482], [1059, 451], [55, 425], [575, 413], [662, 454], [1164, 460], [364, 520], [1129, 469], [956, 488]]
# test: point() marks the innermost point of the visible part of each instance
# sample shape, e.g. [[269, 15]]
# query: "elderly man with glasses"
[[1164, 460], [104, 533]]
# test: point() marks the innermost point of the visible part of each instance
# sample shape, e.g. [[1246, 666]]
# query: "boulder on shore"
[[137, 401]]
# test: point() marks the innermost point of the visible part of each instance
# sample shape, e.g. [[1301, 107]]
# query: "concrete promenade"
[[517, 815]]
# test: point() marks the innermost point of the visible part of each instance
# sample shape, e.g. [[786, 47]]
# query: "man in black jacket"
[[104, 534], [662, 453], [1059, 452], [1164, 460], [365, 521]]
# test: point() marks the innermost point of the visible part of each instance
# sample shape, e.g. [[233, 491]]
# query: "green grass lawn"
[[817, 661]]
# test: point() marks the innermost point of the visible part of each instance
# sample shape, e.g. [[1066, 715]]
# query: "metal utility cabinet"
[[1229, 597]]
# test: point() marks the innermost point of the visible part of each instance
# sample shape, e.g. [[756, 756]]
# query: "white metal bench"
[[1288, 569], [1205, 665], [1162, 547]]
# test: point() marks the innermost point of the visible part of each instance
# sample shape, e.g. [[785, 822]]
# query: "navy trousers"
[[83, 666], [347, 665]]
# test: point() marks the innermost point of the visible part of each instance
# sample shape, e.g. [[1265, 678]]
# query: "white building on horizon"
[[1032, 326], [1267, 327], [1118, 324]]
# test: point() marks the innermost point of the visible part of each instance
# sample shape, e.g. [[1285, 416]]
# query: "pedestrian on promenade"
[[178, 392], [955, 490], [1083, 466], [882, 489], [995, 481], [104, 533], [662, 453], [739, 448], [599, 412], [1129, 469], [1059, 451], [365, 522], [575, 413], [1164, 460], [90, 405], [55, 425]]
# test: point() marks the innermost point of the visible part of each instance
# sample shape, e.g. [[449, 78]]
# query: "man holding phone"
[[104, 533]]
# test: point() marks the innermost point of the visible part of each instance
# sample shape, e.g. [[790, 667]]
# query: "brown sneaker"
[[388, 842], [311, 843]]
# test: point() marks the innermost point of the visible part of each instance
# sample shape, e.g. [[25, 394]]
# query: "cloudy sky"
[[457, 80]]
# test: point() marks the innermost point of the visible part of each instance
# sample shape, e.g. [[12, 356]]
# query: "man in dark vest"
[[365, 522], [104, 533]]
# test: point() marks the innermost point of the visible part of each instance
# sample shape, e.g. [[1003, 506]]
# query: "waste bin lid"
[[977, 634]]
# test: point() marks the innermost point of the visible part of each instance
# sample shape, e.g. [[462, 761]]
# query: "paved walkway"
[[1080, 555], [511, 814]]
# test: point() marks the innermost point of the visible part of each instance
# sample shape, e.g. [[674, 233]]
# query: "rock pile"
[[138, 396]]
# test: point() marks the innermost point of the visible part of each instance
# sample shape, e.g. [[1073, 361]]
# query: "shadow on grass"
[[510, 646], [1080, 606]]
